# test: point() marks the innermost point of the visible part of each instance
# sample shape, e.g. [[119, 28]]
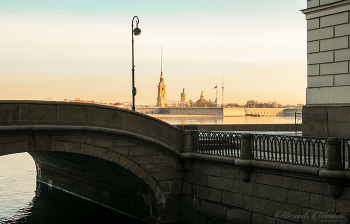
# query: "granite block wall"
[[215, 193]]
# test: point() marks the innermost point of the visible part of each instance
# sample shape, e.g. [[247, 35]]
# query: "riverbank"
[[218, 111], [244, 127]]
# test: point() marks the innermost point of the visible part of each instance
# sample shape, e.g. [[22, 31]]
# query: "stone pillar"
[[188, 148], [188, 141], [246, 146], [244, 163], [334, 154], [335, 176]]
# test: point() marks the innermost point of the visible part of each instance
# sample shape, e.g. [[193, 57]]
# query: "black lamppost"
[[135, 32]]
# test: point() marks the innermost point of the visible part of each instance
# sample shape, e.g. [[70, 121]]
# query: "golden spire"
[[161, 60], [161, 64]]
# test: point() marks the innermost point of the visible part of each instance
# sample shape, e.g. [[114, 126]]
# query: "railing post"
[[246, 146], [188, 149], [295, 122], [188, 144], [244, 163], [334, 154], [334, 175]]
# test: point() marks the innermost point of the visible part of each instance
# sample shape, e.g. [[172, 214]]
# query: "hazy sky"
[[82, 48]]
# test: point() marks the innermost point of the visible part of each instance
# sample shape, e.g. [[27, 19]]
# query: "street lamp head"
[[137, 31]]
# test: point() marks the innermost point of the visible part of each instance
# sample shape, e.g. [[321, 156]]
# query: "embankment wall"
[[214, 192], [264, 111]]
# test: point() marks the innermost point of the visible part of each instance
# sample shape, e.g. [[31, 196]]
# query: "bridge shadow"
[[96, 180]]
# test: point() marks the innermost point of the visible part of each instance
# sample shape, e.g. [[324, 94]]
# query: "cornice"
[[325, 10]]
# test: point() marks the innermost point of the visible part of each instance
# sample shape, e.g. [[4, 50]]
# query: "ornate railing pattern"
[[217, 143], [345, 146], [311, 151], [290, 149]]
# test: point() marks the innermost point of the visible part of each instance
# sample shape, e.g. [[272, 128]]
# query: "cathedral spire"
[[161, 60], [161, 100], [161, 64]]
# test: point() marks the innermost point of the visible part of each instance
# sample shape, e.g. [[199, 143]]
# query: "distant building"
[[216, 103], [251, 103], [173, 103], [122, 105], [82, 101], [161, 100], [183, 96], [202, 102]]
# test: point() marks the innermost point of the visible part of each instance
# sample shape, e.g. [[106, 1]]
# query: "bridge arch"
[[153, 161]]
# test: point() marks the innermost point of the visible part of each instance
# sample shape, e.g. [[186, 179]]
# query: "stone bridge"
[[148, 169], [116, 157]]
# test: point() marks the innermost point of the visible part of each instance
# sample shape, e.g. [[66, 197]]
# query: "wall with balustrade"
[[233, 178]]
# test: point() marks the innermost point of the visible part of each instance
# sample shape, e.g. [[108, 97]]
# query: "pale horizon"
[[67, 51]]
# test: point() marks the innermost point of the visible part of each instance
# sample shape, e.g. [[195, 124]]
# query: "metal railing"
[[290, 149], [217, 143], [310, 151]]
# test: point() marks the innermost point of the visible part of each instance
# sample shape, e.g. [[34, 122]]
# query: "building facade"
[[327, 108]]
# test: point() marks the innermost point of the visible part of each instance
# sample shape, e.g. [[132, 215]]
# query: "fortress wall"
[[233, 112], [291, 112], [208, 111], [264, 111], [152, 110], [205, 111]]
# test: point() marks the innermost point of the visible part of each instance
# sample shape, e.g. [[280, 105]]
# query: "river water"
[[24, 200], [184, 119]]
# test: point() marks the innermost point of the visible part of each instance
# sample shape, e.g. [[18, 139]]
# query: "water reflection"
[[17, 185], [19, 216]]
